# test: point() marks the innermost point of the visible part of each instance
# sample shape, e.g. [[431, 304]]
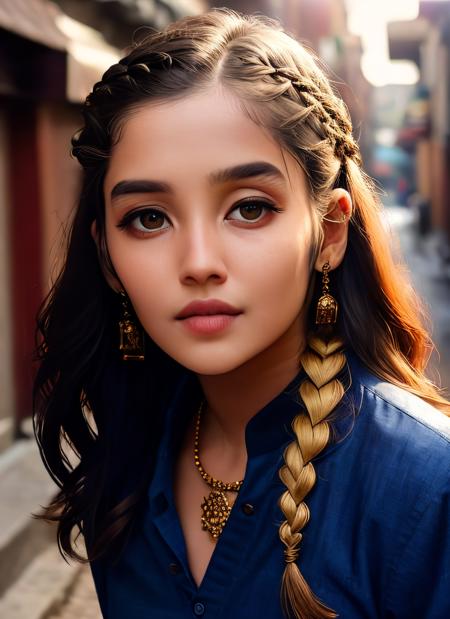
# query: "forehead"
[[190, 137]]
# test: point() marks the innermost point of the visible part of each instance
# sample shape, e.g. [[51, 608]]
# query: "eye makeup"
[[140, 219]]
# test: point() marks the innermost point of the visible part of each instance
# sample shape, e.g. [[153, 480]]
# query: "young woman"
[[231, 393]]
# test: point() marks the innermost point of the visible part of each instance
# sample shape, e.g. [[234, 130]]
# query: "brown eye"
[[150, 220], [253, 210], [144, 220]]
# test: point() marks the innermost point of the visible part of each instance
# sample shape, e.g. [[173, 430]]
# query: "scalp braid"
[[321, 392], [330, 111]]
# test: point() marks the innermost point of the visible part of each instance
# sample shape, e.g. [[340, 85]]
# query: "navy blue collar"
[[269, 430]]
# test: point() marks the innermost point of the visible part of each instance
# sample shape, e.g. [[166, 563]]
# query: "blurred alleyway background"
[[391, 63]]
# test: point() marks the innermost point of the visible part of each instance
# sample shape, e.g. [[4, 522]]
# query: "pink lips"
[[207, 308], [207, 317]]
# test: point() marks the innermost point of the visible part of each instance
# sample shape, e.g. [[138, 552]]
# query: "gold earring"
[[342, 216], [131, 343], [341, 220], [327, 306]]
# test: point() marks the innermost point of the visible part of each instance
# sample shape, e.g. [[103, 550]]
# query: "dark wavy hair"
[[98, 420]]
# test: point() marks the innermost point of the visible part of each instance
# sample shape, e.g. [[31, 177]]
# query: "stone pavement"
[[82, 602], [34, 579], [24, 485]]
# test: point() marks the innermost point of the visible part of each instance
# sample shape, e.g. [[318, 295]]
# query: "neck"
[[234, 397]]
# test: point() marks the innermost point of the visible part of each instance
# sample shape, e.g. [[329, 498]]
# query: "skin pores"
[[202, 240]]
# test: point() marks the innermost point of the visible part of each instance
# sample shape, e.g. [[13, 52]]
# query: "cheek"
[[141, 268], [281, 273]]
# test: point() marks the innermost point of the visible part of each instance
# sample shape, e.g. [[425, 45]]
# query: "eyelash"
[[126, 221]]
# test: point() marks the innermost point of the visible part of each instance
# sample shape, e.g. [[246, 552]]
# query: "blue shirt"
[[376, 545]]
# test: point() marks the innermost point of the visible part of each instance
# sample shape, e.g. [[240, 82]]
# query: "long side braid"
[[321, 393]]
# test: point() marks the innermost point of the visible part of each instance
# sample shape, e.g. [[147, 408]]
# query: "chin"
[[213, 364], [210, 369]]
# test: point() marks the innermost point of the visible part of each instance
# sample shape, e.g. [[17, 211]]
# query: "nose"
[[202, 255]]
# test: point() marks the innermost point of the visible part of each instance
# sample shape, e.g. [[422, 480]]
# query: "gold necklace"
[[215, 508]]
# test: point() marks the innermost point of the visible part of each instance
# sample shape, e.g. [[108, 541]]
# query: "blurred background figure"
[[391, 63]]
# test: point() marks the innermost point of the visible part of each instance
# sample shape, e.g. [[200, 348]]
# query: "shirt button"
[[199, 609], [174, 568], [248, 509]]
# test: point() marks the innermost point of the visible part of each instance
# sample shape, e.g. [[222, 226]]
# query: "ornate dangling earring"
[[131, 336], [327, 306]]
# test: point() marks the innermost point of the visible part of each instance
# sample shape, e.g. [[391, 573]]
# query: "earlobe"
[[335, 229]]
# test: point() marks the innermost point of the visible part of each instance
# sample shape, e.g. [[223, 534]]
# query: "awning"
[[406, 37], [33, 19], [88, 55]]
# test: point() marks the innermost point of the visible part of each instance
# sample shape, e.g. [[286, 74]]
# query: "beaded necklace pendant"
[[216, 507]]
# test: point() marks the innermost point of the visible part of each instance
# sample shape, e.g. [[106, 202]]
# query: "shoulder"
[[398, 438], [395, 407], [402, 457]]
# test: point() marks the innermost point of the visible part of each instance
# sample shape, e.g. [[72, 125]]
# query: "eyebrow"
[[260, 169]]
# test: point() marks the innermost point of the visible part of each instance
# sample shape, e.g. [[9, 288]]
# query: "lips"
[[207, 308]]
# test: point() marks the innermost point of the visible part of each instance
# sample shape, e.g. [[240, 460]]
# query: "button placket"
[[199, 609], [248, 509], [174, 568]]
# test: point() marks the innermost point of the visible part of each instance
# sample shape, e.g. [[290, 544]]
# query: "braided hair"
[[281, 86], [320, 393]]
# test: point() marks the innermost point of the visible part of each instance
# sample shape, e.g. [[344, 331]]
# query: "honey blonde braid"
[[320, 392], [329, 109]]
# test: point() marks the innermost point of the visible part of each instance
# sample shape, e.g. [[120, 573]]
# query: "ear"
[[335, 229], [112, 281]]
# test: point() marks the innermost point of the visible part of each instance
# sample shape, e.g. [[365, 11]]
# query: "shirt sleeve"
[[419, 583]]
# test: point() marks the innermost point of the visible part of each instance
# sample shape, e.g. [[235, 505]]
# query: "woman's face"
[[190, 198]]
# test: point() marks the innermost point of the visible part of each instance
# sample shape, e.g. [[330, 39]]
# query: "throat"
[[194, 503]]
